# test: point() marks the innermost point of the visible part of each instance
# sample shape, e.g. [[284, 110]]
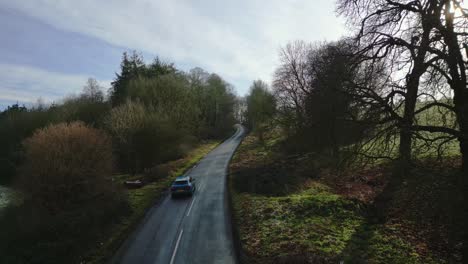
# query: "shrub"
[[157, 172], [66, 165], [143, 136], [70, 201], [157, 141]]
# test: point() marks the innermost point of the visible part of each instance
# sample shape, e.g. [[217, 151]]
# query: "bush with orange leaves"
[[66, 166]]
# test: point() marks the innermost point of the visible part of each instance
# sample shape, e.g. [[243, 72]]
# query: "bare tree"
[[92, 90], [425, 40], [452, 28], [291, 83], [399, 34]]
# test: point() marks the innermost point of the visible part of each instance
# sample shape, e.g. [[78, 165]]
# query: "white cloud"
[[27, 84], [237, 39]]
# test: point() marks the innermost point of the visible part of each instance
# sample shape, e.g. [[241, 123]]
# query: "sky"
[[49, 48]]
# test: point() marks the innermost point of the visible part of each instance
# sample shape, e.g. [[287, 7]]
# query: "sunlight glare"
[[458, 12]]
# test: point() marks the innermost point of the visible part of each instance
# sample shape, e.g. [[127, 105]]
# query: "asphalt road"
[[189, 230]]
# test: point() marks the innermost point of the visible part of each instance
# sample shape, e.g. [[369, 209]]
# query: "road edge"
[[118, 254], [231, 222]]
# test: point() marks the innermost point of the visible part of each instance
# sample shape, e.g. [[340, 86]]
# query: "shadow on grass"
[[371, 243], [420, 210], [264, 169], [267, 181]]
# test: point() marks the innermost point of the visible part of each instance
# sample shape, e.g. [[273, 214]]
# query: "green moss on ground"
[[278, 225], [306, 221]]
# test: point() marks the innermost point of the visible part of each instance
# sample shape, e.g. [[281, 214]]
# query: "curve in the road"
[[190, 230]]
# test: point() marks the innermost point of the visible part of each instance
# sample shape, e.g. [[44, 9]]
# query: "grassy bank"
[[287, 210]]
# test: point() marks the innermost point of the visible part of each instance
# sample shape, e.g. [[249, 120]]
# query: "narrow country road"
[[189, 230]]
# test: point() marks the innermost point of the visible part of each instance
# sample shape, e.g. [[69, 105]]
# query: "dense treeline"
[[18, 122], [388, 88], [153, 112], [310, 99], [394, 91], [159, 110], [312, 84], [63, 157], [260, 110]]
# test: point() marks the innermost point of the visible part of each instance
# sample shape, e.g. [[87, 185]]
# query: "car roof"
[[182, 178]]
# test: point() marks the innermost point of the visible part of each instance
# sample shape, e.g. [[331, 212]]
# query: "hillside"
[[290, 209]]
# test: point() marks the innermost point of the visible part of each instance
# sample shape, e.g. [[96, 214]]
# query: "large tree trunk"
[[404, 160], [461, 103], [412, 87], [461, 108], [457, 71], [404, 163]]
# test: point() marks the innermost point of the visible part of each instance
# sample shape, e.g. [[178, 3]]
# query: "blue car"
[[183, 185]]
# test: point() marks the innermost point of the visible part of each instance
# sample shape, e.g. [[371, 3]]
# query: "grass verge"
[[140, 200]]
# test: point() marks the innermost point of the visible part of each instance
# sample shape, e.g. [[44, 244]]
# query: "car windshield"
[[181, 182]]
